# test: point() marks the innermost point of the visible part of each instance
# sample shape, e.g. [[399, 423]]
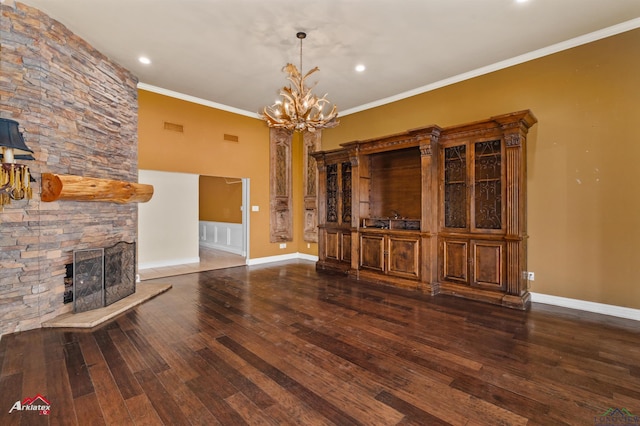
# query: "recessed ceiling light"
[[521, 1], [144, 60], [360, 68]]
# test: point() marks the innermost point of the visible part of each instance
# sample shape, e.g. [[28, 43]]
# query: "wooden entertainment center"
[[439, 210]]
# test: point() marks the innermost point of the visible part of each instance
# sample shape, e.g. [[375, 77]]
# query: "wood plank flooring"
[[280, 344]]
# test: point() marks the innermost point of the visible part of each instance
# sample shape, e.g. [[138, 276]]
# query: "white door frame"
[[246, 209]]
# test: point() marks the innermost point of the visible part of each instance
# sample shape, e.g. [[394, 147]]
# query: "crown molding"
[[195, 100], [536, 54]]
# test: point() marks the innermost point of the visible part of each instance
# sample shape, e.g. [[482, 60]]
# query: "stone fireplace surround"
[[78, 111]]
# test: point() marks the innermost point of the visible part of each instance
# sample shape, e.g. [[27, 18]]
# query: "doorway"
[[169, 227]]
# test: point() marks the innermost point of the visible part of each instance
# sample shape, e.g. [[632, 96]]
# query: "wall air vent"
[[174, 127], [231, 138]]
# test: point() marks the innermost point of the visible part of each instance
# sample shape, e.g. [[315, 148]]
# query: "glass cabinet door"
[[455, 187], [487, 185], [346, 192], [332, 193]]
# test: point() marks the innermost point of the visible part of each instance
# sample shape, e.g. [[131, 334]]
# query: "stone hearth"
[[96, 317]]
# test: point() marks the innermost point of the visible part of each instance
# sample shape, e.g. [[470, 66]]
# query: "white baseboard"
[[171, 262], [307, 257], [256, 261], [583, 305], [280, 258], [222, 247]]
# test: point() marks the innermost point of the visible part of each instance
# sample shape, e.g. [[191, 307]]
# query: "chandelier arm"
[[270, 117], [291, 102], [309, 73]]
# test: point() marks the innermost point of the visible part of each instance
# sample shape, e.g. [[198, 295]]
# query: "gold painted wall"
[[583, 175], [201, 149], [220, 199]]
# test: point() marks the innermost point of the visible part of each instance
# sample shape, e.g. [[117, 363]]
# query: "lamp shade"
[[10, 137]]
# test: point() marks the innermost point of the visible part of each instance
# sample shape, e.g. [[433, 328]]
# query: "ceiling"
[[231, 52]]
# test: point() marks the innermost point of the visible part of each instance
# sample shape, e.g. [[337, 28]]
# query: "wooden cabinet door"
[[488, 264], [372, 252], [332, 244], [337, 245], [455, 260], [404, 256], [478, 263], [455, 187], [345, 247], [487, 207], [473, 196]]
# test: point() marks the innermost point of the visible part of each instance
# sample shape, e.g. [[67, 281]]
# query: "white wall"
[[168, 223]]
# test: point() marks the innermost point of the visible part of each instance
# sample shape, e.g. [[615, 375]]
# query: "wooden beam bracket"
[[78, 188]]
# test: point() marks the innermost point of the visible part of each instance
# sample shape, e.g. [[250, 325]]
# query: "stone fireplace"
[[78, 112]]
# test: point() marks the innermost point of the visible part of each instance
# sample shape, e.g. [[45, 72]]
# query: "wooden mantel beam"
[[78, 188]]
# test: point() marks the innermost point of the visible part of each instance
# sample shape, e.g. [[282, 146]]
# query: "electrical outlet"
[[531, 276], [283, 245]]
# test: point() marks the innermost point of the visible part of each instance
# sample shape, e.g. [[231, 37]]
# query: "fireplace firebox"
[[101, 276]]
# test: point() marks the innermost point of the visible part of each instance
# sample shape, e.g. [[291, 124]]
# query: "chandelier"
[[299, 109], [15, 179]]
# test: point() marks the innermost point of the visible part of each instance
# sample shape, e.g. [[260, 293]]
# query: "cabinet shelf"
[[392, 224]]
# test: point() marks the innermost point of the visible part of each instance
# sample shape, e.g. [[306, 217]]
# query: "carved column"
[[320, 159], [281, 200], [516, 226], [354, 188], [429, 211]]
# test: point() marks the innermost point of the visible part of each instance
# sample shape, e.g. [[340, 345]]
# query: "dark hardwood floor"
[[280, 344]]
